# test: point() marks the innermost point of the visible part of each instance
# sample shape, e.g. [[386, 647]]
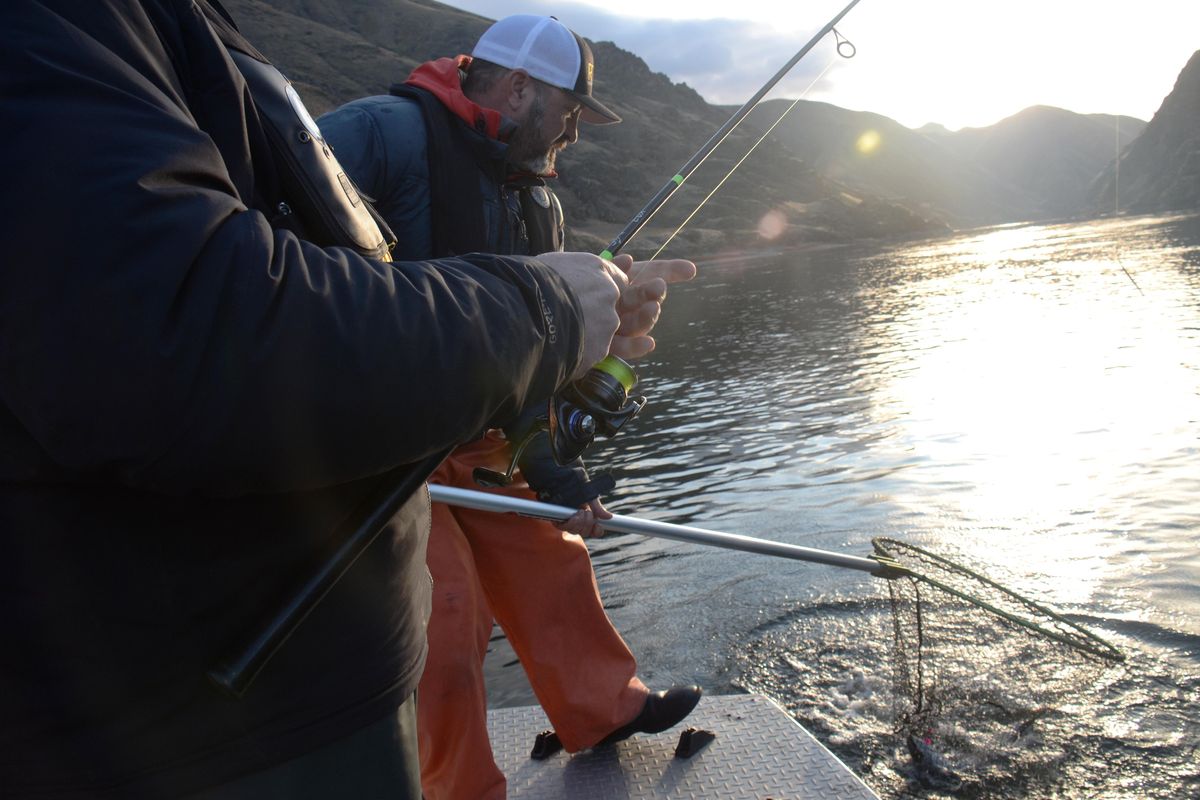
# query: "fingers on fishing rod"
[[669, 270], [638, 295], [623, 262], [639, 322], [619, 276], [631, 348]]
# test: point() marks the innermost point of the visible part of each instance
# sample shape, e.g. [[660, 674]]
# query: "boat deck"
[[759, 752]]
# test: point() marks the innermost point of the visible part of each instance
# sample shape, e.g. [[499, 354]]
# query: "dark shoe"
[[662, 710]]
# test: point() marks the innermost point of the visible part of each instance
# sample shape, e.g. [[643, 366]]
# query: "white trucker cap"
[[548, 51]]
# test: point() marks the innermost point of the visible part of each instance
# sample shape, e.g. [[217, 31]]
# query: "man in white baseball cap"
[[537, 73], [458, 158]]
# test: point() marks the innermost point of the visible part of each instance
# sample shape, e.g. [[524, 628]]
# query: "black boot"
[[662, 710]]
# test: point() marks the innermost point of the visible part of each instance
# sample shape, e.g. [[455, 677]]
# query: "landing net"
[[965, 680]]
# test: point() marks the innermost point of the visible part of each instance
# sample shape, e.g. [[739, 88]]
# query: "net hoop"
[[1067, 632]]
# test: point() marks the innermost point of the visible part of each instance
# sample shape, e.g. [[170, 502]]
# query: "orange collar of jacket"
[[442, 78]]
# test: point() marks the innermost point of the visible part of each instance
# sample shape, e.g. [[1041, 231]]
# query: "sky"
[[958, 63]]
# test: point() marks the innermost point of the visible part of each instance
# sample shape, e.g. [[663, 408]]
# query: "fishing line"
[[1117, 196], [1121, 264], [754, 146], [586, 414], [1117, 166], [651, 208], [957, 635]]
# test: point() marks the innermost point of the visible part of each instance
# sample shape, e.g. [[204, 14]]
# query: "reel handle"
[[598, 404]]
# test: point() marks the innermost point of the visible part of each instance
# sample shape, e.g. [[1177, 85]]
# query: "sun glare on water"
[[1024, 370]]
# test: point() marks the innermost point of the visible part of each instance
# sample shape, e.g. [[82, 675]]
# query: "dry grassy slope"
[[1048, 155], [337, 50]]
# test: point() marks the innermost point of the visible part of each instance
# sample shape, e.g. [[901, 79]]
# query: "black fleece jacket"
[[191, 401]]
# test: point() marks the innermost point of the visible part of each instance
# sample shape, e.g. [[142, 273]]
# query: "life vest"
[[458, 152], [313, 196], [541, 212]]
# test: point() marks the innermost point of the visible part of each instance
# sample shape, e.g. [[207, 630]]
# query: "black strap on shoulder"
[[455, 160], [227, 29], [220, 9]]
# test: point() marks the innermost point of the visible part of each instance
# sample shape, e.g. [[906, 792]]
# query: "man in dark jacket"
[[193, 399], [472, 141]]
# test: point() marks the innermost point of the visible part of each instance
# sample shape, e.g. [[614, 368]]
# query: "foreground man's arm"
[[192, 401]]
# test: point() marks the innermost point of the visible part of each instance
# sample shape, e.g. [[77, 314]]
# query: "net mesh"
[[968, 682]]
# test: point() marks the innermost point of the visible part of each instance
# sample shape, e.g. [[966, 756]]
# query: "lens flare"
[[868, 142], [772, 225]]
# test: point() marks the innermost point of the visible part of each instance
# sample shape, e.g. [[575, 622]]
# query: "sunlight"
[[943, 61], [1029, 407], [868, 142]]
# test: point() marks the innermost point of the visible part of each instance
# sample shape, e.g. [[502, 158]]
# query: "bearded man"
[[457, 160]]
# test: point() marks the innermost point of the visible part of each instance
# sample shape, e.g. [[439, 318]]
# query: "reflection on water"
[[1027, 395]]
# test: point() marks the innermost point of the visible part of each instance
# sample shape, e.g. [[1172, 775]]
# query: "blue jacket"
[[382, 143]]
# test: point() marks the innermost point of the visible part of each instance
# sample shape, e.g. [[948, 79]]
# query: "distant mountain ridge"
[[1047, 155], [1037, 164], [809, 181]]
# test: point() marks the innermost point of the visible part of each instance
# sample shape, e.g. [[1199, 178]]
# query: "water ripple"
[[1007, 394]]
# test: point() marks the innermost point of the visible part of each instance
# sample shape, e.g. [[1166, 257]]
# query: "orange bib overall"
[[537, 583]]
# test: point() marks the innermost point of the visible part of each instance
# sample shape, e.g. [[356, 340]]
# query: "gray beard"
[[525, 151]]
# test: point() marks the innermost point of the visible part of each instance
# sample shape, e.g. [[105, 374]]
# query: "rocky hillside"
[[337, 50], [826, 174], [1160, 171]]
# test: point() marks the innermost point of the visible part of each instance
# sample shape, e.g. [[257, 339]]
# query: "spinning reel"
[[598, 404]]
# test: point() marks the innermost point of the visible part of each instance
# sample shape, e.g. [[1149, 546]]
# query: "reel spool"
[[598, 404]]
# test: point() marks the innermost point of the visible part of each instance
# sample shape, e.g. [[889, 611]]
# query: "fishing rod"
[[600, 403], [640, 219]]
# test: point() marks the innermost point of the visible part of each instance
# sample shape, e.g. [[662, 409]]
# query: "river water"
[[1024, 397]]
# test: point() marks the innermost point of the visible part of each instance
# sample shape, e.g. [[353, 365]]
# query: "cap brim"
[[594, 112]]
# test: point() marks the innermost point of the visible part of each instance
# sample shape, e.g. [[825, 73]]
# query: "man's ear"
[[521, 91]]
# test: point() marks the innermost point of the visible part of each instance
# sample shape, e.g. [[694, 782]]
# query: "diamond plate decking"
[[759, 753]]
